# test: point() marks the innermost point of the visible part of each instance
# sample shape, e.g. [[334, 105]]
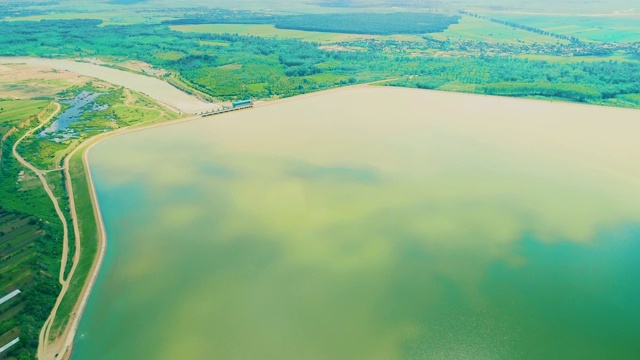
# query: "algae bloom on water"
[[371, 223]]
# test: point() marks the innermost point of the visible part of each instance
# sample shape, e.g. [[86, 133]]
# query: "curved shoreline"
[[65, 342], [70, 329]]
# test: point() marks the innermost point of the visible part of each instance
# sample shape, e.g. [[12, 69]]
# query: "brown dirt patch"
[[21, 81]]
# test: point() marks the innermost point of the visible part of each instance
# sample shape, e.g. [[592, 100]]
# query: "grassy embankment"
[[130, 116], [88, 238], [30, 231]]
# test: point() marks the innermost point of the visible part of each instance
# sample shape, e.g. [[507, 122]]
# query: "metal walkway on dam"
[[227, 109]]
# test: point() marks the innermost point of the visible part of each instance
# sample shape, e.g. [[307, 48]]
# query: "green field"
[[577, 59], [270, 31], [14, 112], [88, 237], [474, 29], [29, 236], [620, 28]]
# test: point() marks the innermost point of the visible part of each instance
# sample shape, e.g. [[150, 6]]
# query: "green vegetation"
[[521, 78], [270, 31], [519, 26], [30, 235], [476, 29], [262, 68], [88, 237], [14, 112], [246, 54], [368, 23], [30, 230], [613, 28]]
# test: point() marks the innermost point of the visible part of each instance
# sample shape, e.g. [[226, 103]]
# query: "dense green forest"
[[229, 66], [222, 16], [368, 23]]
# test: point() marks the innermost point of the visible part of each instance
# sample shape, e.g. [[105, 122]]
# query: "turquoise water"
[[337, 227]]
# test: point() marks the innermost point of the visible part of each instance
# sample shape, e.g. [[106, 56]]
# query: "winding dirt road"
[[44, 333]]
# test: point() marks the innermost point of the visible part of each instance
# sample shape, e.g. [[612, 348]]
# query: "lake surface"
[[158, 90], [372, 223]]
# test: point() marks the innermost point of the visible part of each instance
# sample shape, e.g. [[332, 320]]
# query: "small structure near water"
[[237, 105], [242, 103]]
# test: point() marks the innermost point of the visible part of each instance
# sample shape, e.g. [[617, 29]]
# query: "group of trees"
[[261, 67], [591, 82], [238, 67], [356, 23], [523, 27], [223, 16], [369, 23]]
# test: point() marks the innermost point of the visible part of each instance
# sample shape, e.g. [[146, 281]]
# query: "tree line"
[[523, 27]]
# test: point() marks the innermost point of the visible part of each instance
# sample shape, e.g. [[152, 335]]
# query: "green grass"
[[458, 87], [14, 112], [573, 59], [170, 55], [270, 31], [474, 29], [30, 234], [18, 233], [109, 18], [231, 67], [587, 28], [327, 78], [633, 99], [214, 43], [127, 116], [88, 238]]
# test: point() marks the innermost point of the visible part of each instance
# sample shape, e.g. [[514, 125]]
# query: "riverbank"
[[161, 91]]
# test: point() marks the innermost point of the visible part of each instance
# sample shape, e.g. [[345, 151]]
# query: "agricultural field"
[[270, 31], [14, 112], [475, 29], [29, 235], [613, 28]]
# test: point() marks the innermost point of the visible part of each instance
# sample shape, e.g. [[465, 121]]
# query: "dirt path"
[[44, 333]]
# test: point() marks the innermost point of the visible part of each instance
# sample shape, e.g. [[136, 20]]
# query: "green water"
[[372, 223]]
